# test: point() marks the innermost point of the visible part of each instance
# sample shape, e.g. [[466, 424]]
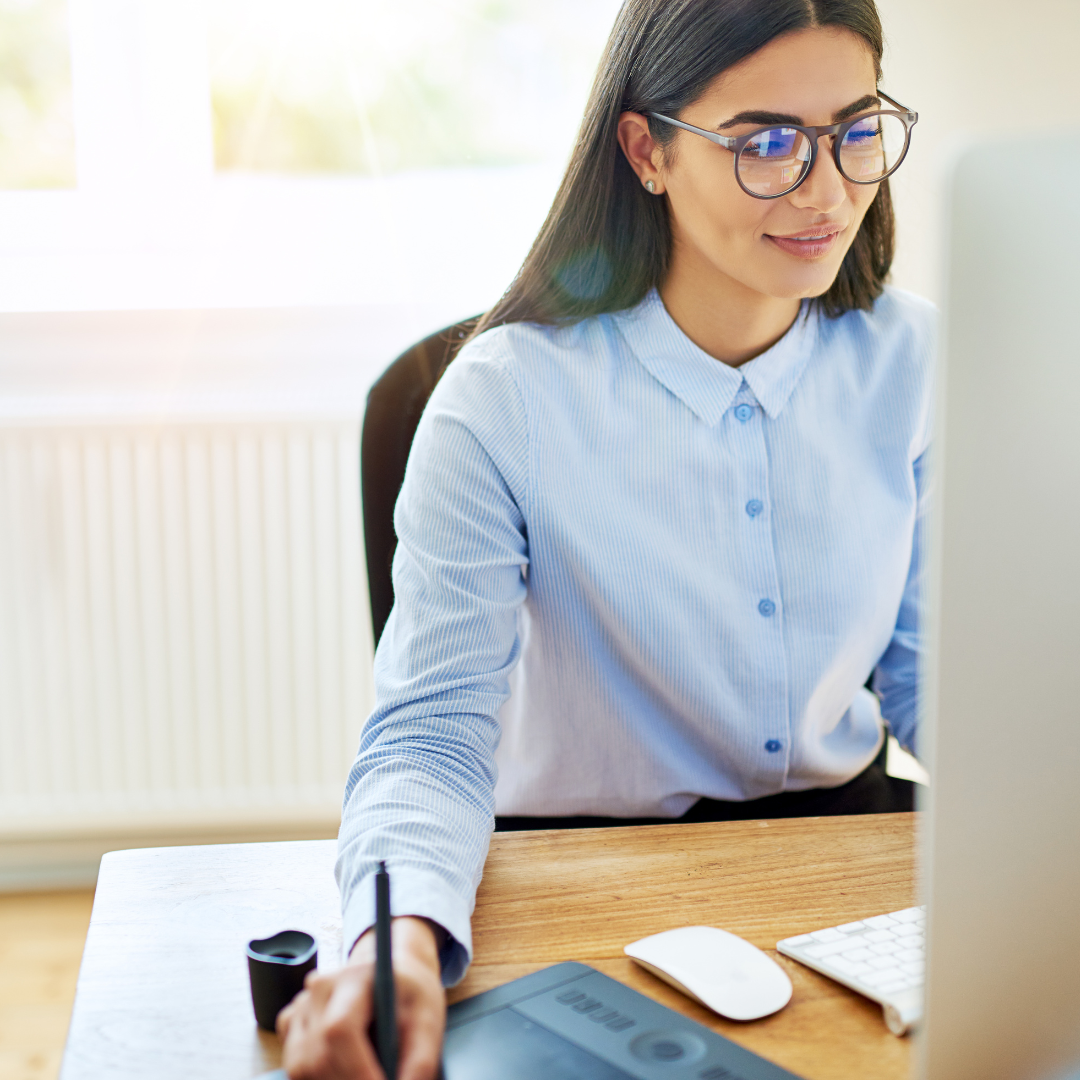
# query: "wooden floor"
[[41, 944]]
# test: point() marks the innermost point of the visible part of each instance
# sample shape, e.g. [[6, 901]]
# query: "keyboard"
[[883, 958]]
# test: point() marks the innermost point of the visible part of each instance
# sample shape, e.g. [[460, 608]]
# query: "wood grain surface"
[[41, 941], [163, 988], [584, 894]]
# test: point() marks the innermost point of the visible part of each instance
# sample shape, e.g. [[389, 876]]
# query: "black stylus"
[[386, 1043]]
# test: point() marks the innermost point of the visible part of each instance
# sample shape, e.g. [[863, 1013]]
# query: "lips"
[[812, 243]]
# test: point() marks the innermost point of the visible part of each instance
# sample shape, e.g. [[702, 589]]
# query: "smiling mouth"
[[808, 245]]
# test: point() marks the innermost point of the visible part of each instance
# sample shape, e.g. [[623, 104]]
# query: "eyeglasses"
[[774, 161]]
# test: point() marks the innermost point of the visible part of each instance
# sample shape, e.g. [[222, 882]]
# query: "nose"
[[823, 190]]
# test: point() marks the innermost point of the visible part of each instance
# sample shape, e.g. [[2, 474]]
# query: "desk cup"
[[277, 966]]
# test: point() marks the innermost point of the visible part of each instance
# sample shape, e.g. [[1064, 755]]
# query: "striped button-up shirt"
[[629, 576]]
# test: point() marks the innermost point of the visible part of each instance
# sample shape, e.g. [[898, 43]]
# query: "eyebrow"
[[759, 116]]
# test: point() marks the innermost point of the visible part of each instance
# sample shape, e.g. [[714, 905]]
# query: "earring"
[[650, 187]]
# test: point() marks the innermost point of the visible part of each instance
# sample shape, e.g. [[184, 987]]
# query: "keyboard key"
[[858, 938], [908, 915], [857, 955], [820, 949], [795, 942], [879, 922], [909, 955], [851, 927], [907, 930], [831, 934], [913, 967], [876, 936], [875, 979], [886, 948], [848, 967], [891, 988], [880, 962]]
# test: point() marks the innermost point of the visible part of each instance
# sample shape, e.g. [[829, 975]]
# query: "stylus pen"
[[386, 1043]]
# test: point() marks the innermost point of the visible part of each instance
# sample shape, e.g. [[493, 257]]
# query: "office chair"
[[394, 405]]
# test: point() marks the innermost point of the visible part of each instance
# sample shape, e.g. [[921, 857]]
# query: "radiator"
[[184, 630]]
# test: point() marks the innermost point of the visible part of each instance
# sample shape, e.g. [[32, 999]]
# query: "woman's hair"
[[606, 242]]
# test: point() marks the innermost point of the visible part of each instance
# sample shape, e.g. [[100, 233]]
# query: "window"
[[37, 142], [250, 153], [373, 88]]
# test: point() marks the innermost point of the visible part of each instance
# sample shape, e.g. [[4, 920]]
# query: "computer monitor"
[[1002, 839]]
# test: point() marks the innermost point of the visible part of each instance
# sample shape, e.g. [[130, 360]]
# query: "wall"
[[972, 68]]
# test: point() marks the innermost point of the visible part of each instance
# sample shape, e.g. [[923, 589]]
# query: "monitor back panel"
[[1003, 741]]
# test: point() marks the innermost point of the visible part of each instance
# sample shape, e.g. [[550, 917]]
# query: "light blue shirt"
[[629, 576]]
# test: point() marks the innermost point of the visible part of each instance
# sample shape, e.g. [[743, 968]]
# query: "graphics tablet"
[[570, 1022]]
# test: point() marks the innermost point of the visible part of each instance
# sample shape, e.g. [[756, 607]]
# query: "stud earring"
[[650, 187]]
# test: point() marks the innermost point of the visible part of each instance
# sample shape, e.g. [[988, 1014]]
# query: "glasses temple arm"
[[912, 116], [712, 136]]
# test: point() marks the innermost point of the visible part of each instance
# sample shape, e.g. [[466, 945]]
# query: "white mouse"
[[722, 971]]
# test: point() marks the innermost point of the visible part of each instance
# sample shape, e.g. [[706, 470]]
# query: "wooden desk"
[[163, 988]]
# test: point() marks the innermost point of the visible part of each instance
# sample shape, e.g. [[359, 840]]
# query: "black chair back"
[[394, 405]]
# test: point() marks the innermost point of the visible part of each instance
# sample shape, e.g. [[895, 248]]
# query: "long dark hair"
[[606, 242]]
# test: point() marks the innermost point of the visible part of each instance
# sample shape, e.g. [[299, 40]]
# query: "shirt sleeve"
[[896, 678], [420, 793]]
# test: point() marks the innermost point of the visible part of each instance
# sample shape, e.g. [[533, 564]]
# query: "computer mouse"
[[721, 970]]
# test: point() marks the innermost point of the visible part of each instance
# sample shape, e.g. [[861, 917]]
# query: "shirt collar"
[[704, 384]]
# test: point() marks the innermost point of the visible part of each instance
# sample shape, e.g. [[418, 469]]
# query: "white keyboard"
[[883, 958]]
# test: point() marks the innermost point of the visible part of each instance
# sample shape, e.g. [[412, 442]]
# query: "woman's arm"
[[420, 794], [898, 673], [421, 791]]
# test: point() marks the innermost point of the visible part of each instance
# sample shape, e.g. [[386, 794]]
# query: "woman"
[[660, 521]]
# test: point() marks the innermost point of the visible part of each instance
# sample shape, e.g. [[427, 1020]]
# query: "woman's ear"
[[641, 150]]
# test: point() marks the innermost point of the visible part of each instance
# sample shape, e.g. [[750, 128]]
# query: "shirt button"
[[766, 607], [743, 413], [773, 745], [754, 507]]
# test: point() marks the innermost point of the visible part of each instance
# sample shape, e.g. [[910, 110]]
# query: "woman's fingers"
[[421, 1046], [421, 1007], [326, 1027], [346, 1022]]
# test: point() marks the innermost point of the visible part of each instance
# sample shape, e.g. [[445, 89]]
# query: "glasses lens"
[[774, 161], [872, 147]]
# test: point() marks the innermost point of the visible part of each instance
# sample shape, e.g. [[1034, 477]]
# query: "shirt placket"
[[761, 593]]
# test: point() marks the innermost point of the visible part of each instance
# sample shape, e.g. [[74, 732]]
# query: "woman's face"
[[788, 247]]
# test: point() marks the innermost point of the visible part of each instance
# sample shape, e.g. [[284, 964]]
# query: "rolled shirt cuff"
[[421, 894]]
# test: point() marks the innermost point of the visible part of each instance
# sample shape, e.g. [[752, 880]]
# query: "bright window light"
[[37, 142], [396, 156], [370, 87]]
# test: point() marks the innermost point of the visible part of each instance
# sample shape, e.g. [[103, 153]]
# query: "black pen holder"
[[277, 966]]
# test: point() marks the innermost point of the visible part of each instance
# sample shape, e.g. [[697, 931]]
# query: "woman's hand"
[[325, 1029]]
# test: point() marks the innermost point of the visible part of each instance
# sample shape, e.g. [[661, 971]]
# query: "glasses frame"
[[907, 116]]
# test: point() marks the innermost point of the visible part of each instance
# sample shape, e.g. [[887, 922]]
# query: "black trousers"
[[871, 792]]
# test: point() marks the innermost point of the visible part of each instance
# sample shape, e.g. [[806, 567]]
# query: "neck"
[[730, 321]]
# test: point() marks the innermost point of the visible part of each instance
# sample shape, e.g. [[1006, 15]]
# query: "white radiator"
[[184, 632]]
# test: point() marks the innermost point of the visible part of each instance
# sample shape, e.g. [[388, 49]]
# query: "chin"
[[803, 286]]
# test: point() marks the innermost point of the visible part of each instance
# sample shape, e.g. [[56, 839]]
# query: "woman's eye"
[[774, 143], [860, 136]]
